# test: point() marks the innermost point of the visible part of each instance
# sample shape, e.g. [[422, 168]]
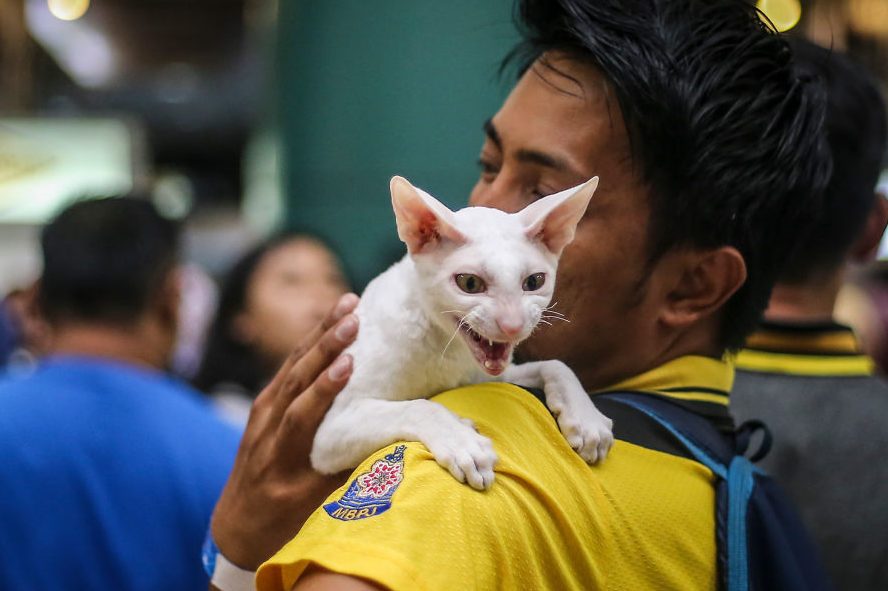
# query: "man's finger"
[[347, 303], [307, 411], [316, 360]]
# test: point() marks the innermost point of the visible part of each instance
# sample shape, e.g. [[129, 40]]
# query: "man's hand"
[[272, 488]]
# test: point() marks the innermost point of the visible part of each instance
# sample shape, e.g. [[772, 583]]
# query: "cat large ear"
[[553, 220], [423, 221]]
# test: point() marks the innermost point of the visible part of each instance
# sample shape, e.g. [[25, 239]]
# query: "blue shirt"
[[108, 476]]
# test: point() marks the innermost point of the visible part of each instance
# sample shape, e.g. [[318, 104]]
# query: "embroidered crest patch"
[[371, 492]]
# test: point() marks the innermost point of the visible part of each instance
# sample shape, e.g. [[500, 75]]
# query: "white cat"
[[474, 283]]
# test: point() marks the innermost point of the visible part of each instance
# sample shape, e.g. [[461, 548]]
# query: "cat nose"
[[510, 326]]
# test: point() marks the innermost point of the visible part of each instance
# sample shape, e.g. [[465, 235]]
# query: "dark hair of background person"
[[856, 133], [228, 359], [104, 260], [723, 131]]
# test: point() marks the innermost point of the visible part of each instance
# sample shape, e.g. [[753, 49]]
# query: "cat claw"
[[588, 432], [465, 453]]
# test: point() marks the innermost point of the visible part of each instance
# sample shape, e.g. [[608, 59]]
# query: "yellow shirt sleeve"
[[549, 521]]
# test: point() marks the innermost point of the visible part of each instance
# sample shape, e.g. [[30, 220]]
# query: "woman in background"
[[270, 298]]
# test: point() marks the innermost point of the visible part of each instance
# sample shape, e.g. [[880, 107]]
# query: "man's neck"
[[812, 302], [137, 344]]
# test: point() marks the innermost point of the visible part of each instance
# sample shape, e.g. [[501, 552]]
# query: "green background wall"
[[369, 89]]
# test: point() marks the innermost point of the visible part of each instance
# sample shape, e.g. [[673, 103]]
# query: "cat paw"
[[465, 453], [588, 432]]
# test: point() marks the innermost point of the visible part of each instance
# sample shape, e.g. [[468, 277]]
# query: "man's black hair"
[[723, 131], [104, 260], [856, 134]]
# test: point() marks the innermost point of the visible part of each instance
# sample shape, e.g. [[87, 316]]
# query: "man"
[[109, 468], [803, 373], [706, 145]]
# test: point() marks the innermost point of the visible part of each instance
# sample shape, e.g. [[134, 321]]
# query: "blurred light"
[[869, 17], [68, 10], [785, 14], [177, 83], [80, 50], [882, 189], [47, 162], [173, 195]]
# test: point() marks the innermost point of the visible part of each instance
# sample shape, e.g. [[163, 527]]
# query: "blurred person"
[[269, 301], [199, 298], [110, 467], [863, 305], [804, 374], [708, 146], [10, 327], [24, 336]]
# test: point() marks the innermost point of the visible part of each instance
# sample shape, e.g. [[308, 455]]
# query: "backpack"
[[762, 544]]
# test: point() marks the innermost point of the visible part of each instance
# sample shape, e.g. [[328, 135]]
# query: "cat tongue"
[[495, 356]]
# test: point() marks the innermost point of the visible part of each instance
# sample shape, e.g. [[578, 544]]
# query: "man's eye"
[[534, 282], [539, 192], [470, 283], [487, 167]]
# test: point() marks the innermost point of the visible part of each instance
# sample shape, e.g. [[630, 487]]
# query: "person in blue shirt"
[[110, 468]]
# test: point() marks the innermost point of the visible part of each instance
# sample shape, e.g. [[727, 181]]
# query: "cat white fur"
[[415, 341]]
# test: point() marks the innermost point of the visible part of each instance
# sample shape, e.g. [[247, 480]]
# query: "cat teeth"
[[489, 342], [488, 364]]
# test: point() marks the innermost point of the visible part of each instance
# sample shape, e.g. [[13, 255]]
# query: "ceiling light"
[[785, 14], [68, 10]]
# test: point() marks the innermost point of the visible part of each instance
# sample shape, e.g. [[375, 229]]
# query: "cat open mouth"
[[493, 356]]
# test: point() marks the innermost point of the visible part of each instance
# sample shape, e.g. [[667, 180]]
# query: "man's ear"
[[422, 220], [553, 220], [704, 281], [866, 247]]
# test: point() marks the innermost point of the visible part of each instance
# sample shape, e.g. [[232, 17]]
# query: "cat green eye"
[[470, 283], [534, 282]]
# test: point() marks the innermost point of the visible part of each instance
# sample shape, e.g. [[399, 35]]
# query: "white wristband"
[[230, 577], [224, 575]]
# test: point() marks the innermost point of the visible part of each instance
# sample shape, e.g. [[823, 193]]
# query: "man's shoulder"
[[534, 458], [546, 503]]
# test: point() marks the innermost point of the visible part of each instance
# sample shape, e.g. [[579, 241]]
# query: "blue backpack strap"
[[707, 445], [714, 450], [762, 543], [740, 486]]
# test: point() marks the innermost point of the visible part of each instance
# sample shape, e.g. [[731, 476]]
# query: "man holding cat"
[[708, 149]]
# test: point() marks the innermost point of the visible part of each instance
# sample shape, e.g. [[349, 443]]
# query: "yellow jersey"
[[642, 519]]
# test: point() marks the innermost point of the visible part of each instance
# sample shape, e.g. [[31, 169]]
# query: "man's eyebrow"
[[541, 158], [526, 155]]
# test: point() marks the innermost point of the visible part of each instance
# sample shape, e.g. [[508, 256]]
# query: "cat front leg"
[[351, 433], [587, 430]]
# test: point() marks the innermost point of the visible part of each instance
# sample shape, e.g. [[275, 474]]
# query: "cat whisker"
[[462, 320], [551, 309], [561, 318], [453, 336]]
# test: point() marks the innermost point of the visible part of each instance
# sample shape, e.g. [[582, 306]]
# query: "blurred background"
[[246, 117], [243, 116]]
